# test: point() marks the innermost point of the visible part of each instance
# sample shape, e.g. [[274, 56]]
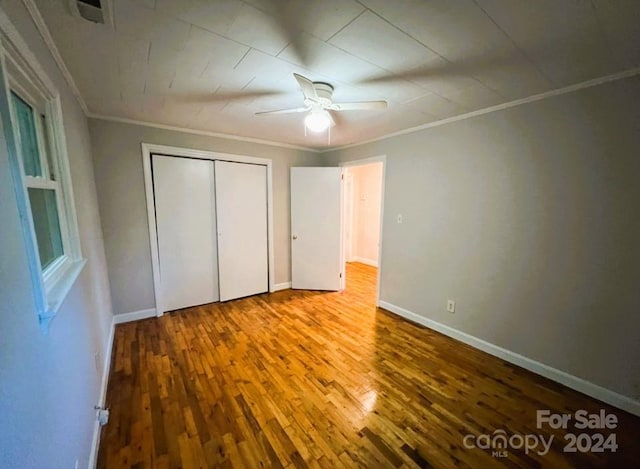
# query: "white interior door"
[[241, 201], [316, 257], [186, 226]]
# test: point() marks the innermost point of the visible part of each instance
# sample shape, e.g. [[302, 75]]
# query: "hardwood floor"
[[312, 379]]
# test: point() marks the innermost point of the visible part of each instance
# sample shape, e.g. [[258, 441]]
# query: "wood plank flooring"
[[312, 379]]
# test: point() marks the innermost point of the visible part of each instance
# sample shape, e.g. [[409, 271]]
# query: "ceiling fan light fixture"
[[317, 121]]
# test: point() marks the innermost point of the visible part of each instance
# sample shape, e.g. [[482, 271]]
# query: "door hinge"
[[340, 274], [342, 176]]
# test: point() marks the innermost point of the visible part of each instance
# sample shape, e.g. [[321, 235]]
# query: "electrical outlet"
[[103, 417], [451, 306]]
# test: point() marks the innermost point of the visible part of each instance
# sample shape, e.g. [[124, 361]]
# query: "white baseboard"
[[134, 316], [282, 286], [95, 442], [364, 260], [586, 387]]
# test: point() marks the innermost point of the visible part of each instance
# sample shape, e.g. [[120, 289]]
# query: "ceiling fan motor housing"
[[318, 99], [324, 92]]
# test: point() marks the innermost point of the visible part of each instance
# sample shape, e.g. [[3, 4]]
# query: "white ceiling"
[[178, 62]]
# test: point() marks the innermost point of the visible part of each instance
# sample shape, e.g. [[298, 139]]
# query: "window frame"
[[55, 270], [20, 73]]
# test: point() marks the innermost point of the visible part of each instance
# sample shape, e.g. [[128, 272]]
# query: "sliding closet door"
[[241, 202], [185, 217]]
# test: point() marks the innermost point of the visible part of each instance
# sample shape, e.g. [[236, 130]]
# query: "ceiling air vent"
[[96, 11]]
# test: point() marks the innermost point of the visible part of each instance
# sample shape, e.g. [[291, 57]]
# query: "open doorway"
[[362, 222]]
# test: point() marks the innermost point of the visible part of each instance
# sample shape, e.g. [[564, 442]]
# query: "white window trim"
[[51, 286]]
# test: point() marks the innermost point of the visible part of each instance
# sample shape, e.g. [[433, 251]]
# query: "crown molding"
[[499, 107], [42, 28], [207, 133]]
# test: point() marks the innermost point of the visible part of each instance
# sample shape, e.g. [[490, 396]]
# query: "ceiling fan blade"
[[410, 75], [225, 96], [283, 111], [306, 85], [290, 17], [443, 69], [336, 119], [291, 21], [332, 121], [363, 105]]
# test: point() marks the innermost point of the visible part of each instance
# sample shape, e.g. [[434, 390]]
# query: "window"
[[32, 122], [39, 179]]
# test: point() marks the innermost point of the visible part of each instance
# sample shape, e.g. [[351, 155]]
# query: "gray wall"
[[123, 208], [528, 218], [49, 384]]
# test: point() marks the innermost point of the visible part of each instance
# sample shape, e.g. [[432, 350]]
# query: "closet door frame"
[[149, 149]]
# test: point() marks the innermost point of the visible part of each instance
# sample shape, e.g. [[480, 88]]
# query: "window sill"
[[59, 291]]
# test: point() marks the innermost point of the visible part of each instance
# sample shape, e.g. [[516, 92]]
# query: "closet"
[[211, 227]]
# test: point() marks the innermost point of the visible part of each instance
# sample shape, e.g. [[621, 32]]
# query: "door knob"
[[295, 237]]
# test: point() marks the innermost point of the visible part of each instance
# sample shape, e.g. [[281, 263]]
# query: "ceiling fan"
[[319, 104]]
